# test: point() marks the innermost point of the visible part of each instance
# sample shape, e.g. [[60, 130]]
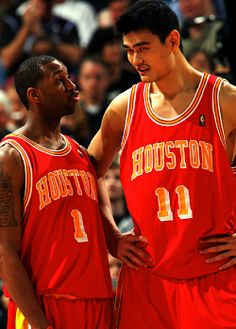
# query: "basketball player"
[[176, 132], [53, 257]]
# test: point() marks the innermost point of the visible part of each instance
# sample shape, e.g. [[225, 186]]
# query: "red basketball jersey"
[[63, 246], [177, 179]]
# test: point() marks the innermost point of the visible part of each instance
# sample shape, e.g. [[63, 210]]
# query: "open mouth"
[[142, 71], [75, 96]]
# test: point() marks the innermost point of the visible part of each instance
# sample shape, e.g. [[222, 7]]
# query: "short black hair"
[[29, 74], [103, 36], [153, 15], [94, 58]]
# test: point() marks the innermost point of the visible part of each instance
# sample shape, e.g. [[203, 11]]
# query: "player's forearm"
[[112, 234], [19, 286], [111, 231]]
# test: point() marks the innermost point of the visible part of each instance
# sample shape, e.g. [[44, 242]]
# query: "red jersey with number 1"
[[63, 246], [177, 179]]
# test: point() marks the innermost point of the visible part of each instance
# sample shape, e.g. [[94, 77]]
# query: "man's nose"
[[70, 85], [138, 59]]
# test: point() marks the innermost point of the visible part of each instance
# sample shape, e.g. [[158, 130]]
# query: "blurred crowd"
[[82, 34]]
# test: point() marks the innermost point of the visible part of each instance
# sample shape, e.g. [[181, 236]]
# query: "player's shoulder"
[[121, 98], [10, 159], [227, 96], [119, 104], [228, 91], [227, 105], [7, 150]]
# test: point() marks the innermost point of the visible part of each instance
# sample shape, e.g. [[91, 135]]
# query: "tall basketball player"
[[176, 132]]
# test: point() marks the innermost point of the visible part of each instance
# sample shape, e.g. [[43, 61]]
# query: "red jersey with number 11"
[[177, 179]]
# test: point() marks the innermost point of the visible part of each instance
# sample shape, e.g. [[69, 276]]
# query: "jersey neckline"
[[65, 150], [186, 113]]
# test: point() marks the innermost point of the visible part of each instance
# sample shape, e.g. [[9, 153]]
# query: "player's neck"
[[177, 83], [44, 136]]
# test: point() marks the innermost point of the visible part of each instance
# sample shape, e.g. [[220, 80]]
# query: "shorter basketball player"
[[53, 256]]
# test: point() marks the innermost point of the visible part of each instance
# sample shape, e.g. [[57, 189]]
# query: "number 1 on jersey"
[[79, 234], [163, 198]]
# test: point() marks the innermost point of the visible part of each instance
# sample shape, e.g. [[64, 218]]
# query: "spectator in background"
[[218, 5], [98, 4], [108, 44], [18, 113], [93, 80], [108, 16], [228, 37], [5, 109], [32, 29], [200, 26], [82, 14], [115, 192], [201, 61]]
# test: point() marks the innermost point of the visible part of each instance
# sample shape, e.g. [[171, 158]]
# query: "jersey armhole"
[[27, 171], [129, 115], [217, 110]]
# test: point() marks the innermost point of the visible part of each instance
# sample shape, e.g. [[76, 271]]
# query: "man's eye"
[[60, 80], [129, 51]]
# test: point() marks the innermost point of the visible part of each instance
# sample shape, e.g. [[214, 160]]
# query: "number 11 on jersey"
[[184, 207]]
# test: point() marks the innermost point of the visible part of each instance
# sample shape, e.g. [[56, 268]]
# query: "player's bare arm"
[[225, 246], [12, 270], [228, 108], [129, 248], [104, 146], [107, 141]]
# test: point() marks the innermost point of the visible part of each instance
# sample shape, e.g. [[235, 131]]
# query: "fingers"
[[133, 261], [214, 249], [228, 264], [223, 247], [218, 257], [231, 260], [218, 244], [222, 239], [131, 251], [223, 255]]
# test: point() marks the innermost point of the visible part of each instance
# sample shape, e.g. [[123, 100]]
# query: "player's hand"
[[131, 251], [224, 246]]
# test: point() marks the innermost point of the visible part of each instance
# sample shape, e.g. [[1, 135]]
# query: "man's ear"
[[174, 39], [33, 95]]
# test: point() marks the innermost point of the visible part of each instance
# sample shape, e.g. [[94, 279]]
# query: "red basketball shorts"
[[148, 301], [64, 313]]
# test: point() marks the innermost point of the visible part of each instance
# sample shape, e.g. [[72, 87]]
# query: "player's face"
[[152, 59], [57, 91]]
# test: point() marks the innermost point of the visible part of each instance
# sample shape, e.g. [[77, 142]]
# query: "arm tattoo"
[[6, 200]]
